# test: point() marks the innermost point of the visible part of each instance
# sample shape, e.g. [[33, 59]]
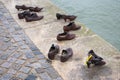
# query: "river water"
[[101, 16]]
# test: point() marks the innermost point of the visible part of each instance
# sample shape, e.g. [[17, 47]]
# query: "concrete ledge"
[[43, 34]]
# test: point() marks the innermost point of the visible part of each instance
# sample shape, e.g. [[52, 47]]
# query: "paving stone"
[[4, 10], [1, 6], [21, 33], [11, 59], [28, 64], [11, 30], [42, 61], [6, 64], [13, 48], [4, 56], [36, 65], [20, 61], [10, 19], [2, 71], [1, 52], [31, 77], [16, 54], [33, 71], [17, 27], [59, 78], [1, 61], [45, 76], [12, 71], [23, 57], [40, 56], [20, 43], [21, 75], [15, 78], [16, 66], [5, 22], [6, 77], [25, 69], [45, 65], [7, 15], [33, 47], [7, 39], [24, 46], [40, 70], [4, 47], [52, 72], [33, 60], [15, 45], [37, 52], [17, 37], [28, 54]]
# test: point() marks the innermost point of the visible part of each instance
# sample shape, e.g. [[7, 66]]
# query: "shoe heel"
[[58, 16]]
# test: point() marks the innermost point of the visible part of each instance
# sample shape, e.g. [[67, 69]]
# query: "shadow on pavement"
[[93, 73]]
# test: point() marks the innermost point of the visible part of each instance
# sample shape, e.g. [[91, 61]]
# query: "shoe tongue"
[[64, 52], [33, 15], [69, 25], [53, 47]]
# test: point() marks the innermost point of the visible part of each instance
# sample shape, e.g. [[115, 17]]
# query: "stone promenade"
[[20, 59]]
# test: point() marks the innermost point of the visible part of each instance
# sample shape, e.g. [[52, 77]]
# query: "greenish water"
[[101, 16]]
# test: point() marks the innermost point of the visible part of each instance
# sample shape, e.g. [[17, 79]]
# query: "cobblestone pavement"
[[20, 59]]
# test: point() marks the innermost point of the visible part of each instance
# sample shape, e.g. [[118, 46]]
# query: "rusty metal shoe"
[[53, 51], [35, 9], [66, 54], [23, 14], [71, 26], [100, 63], [22, 7], [65, 36], [65, 17], [33, 17]]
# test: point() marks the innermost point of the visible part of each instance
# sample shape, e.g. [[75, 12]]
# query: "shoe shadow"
[[94, 73]]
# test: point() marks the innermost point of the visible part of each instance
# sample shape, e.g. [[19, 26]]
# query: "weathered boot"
[[65, 36], [33, 17], [91, 52], [66, 54], [23, 14], [94, 59], [53, 51], [65, 17], [71, 26], [36, 9], [22, 7], [59, 16]]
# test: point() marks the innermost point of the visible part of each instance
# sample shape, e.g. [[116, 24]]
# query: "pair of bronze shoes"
[[65, 17], [93, 58], [66, 35], [23, 7], [55, 49], [70, 27], [29, 16]]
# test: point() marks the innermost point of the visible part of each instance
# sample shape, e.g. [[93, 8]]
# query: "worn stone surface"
[[19, 57], [43, 33]]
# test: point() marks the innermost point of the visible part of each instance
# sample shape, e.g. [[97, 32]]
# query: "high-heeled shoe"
[[35, 9], [65, 17], [23, 7]]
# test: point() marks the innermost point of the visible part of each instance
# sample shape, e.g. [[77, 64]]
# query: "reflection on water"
[[102, 16]]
